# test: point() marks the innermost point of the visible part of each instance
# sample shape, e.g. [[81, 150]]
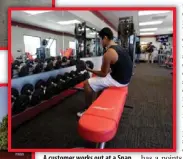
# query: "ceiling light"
[[149, 29], [35, 12], [150, 33], [150, 23], [140, 13], [69, 22]]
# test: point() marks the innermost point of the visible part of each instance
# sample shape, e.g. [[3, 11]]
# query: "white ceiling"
[[49, 20], [165, 28]]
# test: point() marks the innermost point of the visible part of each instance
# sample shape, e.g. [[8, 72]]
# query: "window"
[[52, 46], [31, 43], [72, 44]]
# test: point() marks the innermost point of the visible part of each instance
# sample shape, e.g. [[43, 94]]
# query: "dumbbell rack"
[[31, 112]]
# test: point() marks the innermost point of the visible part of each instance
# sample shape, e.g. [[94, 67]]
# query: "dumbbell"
[[81, 65], [46, 92], [21, 68], [57, 87], [48, 64], [71, 78], [35, 66], [19, 102], [64, 59], [77, 76], [57, 63], [72, 61], [64, 80], [34, 95]]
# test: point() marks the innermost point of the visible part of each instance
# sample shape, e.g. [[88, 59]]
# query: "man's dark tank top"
[[122, 69]]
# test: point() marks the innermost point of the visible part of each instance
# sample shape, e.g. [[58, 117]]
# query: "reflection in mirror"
[[51, 35]]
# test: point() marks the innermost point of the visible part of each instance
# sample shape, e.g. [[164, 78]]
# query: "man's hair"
[[106, 32]]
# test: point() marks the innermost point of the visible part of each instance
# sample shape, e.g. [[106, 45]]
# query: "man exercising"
[[116, 69]]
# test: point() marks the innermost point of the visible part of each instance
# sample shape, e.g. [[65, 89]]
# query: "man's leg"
[[89, 94], [92, 87]]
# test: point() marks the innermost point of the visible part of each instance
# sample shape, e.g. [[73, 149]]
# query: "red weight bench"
[[99, 123]]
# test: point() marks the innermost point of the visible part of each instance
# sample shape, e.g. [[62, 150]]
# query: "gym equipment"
[[57, 62], [34, 95], [21, 68], [19, 102], [46, 92], [125, 29], [89, 130], [48, 64], [64, 59], [14, 94], [81, 65], [74, 78], [64, 80], [57, 87], [35, 66], [70, 80]]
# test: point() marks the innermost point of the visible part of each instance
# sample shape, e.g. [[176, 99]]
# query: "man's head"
[[106, 36]]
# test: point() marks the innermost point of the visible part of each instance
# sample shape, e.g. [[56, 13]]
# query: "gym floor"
[[147, 125]]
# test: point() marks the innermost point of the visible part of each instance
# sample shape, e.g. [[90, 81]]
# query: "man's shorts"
[[99, 83]]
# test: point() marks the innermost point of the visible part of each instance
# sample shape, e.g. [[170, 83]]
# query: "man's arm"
[[105, 68]]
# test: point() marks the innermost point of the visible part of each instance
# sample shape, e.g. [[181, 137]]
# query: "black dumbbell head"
[[90, 64], [50, 80], [64, 59], [27, 89], [20, 104], [39, 84], [80, 65], [36, 97], [38, 68], [15, 94], [24, 71]]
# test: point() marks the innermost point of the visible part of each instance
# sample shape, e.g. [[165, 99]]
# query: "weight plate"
[[24, 71], [49, 93], [60, 86], [72, 62], [15, 64], [49, 66], [86, 75], [58, 64], [38, 68], [58, 77], [15, 94], [72, 74], [90, 64], [80, 65], [26, 88], [59, 58], [50, 80], [52, 58], [39, 84], [35, 98], [20, 104], [64, 59]]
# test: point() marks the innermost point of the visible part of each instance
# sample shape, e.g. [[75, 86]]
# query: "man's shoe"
[[79, 114]]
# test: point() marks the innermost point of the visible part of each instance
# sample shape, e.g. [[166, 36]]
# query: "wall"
[[18, 43]]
